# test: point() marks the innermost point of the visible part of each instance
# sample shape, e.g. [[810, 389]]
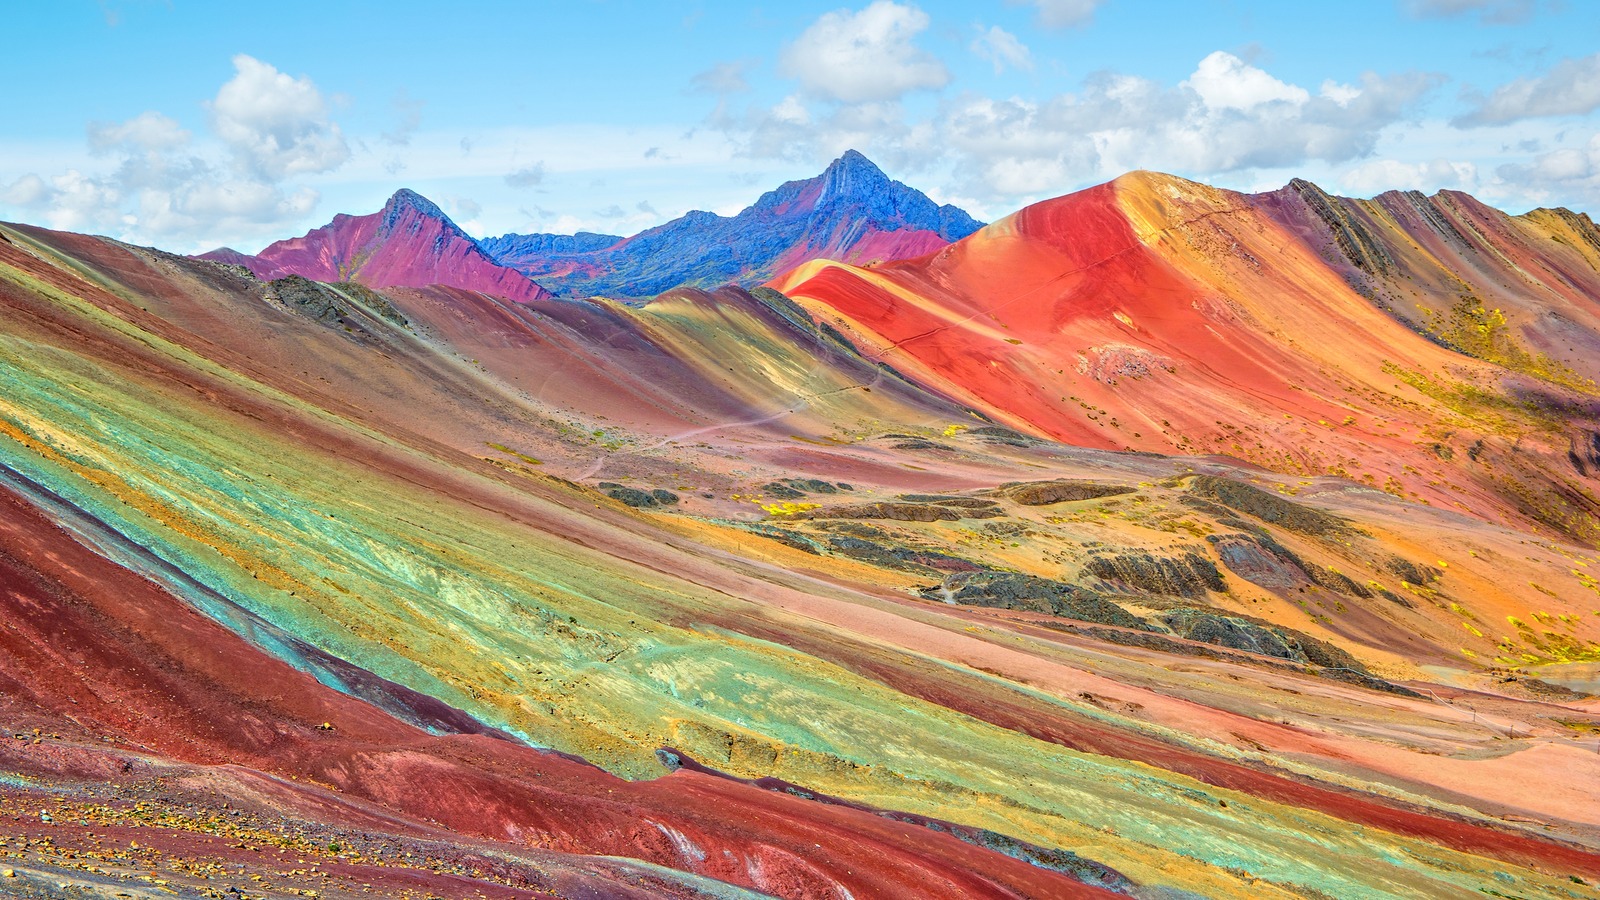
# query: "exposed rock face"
[[906, 512], [996, 434], [1352, 239], [1189, 575], [332, 305], [852, 212], [1044, 493], [639, 499], [1256, 636], [1267, 507], [795, 488], [906, 558], [1250, 558], [1008, 590]]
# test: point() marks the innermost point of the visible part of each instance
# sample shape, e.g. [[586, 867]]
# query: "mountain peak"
[[406, 199], [853, 175], [409, 243]]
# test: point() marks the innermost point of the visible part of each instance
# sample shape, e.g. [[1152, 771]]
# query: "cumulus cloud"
[[1226, 116], [1567, 175], [1571, 87], [1224, 81], [864, 56], [163, 185], [150, 131], [277, 125], [1493, 12], [1001, 48], [1062, 13], [527, 176], [1379, 175]]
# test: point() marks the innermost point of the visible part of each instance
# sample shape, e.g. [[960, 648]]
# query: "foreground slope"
[[851, 212], [933, 654]]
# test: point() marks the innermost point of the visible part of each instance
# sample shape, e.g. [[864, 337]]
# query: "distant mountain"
[[409, 243], [852, 212]]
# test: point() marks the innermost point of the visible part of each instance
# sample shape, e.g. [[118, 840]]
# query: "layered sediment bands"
[[425, 504], [95, 651], [1355, 243], [1189, 575], [1304, 333]]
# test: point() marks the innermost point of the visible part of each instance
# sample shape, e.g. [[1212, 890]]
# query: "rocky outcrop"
[[1354, 241], [1010, 590], [1044, 493], [1189, 575], [795, 488], [637, 498], [910, 559], [906, 512], [1267, 507]]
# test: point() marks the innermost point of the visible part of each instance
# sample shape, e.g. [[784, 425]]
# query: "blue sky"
[[189, 125]]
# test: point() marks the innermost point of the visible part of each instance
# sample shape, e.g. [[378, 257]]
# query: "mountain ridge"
[[410, 242], [852, 211]]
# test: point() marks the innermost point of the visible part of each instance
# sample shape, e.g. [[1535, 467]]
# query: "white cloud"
[[1567, 175], [1571, 87], [1224, 81], [163, 186], [1063, 13], [1226, 117], [276, 124], [1379, 175], [147, 131], [1002, 49], [864, 56]]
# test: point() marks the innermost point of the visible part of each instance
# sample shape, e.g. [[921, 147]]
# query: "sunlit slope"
[[534, 612], [688, 362], [1156, 314]]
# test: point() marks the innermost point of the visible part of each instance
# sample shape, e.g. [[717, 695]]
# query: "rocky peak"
[[406, 201], [853, 176]]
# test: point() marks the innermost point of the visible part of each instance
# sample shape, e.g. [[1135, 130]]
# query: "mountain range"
[[851, 212], [1155, 540]]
